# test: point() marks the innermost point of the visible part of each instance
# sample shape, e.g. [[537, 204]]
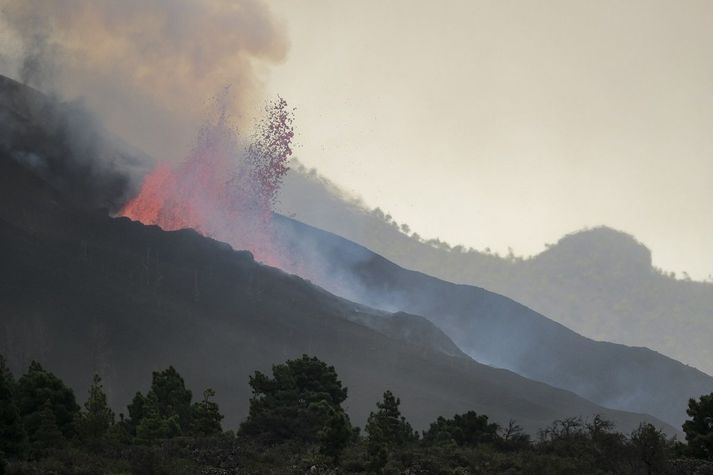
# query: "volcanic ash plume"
[[224, 189], [146, 67]]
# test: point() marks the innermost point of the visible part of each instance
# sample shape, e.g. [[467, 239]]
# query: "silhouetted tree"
[[97, 418], [155, 425], [136, 412], [166, 409], [301, 401], [121, 431], [206, 415], [47, 435], [699, 429], [469, 429], [39, 389], [607, 447], [565, 437], [649, 444], [12, 434], [386, 430], [513, 436], [171, 396], [563, 429]]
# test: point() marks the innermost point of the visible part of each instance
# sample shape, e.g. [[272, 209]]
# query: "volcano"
[[82, 292]]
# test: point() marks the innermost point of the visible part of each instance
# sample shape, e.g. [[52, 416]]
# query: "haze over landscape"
[[402, 237], [514, 122]]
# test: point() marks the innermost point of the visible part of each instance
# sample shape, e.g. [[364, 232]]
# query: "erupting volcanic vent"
[[224, 189]]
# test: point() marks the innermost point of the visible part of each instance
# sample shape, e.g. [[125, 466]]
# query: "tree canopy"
[[97, 417], [302, 400], [469, 429], [297, 424], [387, 430], [699, 429], [166, 410], [38, 391], [12, 432]]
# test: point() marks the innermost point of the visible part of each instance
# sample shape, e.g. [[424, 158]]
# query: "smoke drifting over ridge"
[[146, 67], [65, 144]]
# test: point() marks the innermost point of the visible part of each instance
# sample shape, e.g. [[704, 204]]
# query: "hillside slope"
[[598, 282], [83, 292], [498, 331]]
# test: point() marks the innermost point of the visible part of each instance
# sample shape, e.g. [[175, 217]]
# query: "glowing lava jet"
[[223, 189]]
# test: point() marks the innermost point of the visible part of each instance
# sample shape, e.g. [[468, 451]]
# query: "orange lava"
[[222, 190]]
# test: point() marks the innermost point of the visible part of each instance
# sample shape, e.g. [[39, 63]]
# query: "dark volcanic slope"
[[83, 292], [496, 330]]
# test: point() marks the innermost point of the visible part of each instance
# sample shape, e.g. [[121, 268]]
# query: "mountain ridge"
[[497, 330], [636, 305]]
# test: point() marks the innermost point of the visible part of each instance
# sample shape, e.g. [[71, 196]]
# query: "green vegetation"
[[301, 402], [699, 429], [297, 424], [387, 432], [12, 431], [47, 408]]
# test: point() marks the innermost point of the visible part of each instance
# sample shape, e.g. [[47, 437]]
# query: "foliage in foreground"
[[297, 424]]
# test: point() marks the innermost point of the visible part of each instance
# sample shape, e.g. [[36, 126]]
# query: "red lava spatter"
[[224, 190]]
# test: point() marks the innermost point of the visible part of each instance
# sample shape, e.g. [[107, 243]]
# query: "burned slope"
[[498, 331], [83, 292]]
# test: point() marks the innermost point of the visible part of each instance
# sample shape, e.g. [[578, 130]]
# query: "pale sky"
[[485, 123], [510, 123]]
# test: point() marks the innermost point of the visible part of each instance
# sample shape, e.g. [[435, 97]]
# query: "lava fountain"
[[224, 189]]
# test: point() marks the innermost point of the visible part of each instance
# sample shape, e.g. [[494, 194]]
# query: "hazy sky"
[[510, 123]]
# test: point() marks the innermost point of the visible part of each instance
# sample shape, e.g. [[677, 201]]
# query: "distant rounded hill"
[[601, 250]]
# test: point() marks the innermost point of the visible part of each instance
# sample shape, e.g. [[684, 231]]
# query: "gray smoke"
[[145, 70], [64, 143]]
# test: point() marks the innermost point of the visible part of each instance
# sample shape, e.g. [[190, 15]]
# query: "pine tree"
[[136, 412], [12, 434], [120, 432], [301, 402], [97, 418], [699, 429], [166, 409], [48, 435], [37, 388], [171, 396], [387, 430], [206, 415], [154, 425]]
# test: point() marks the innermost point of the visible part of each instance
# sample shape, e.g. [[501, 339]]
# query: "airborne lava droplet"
[[223, 189]]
